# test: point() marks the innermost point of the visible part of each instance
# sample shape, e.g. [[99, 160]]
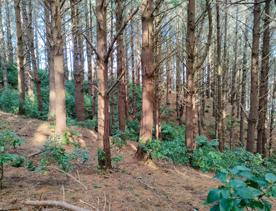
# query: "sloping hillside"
[[130, 186]]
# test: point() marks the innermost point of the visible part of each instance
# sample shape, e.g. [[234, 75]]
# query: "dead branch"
[[120, 31], [52, 203], [35, 154], [69, 175], [243, 110], [115, 84]]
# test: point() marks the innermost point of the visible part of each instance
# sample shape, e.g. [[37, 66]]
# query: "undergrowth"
[[241, 189], [206, 156]]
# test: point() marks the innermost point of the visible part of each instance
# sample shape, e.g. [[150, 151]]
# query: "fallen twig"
[[51, 203], [69, 175], [35, 154]]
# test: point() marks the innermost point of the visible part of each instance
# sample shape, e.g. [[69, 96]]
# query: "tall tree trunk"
[[147, 71], [178, 85], [33, 56], [65, 55], [58, 67], [121, 67], [132, 56], [89, 51], [9, 34], [219, 119], [50, 57], [169, 77], [111, 68], [191, 112], [272, 113], [233, 82], [103, 98], [28, 61], [78, 61], [20, 56], [263, 88], [243, 86], [3, 61], [253, 113], [157, 73]]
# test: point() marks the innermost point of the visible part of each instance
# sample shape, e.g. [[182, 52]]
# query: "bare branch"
[[110, 49], [52, 203]]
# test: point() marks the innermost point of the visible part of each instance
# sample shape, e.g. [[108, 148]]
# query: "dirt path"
[[130, 186]]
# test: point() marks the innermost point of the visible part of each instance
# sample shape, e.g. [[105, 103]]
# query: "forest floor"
[[132, 185]]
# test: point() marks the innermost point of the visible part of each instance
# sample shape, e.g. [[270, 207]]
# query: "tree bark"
[[191, 112], [3, 61], [27, 59], [272, 113], [103, 98], [263, 88], [147, 61], [50, 57], [219, 70], [121, 67], [9, 34], [243, 86], [58, 67], [77, 61], [20, 56], [253, 113], [33, 56], [233, 82]]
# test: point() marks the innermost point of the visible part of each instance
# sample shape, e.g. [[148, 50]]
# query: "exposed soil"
[[132, 185]]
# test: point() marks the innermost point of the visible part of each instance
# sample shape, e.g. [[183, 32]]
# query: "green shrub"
[[54, 152], [135, 109], [117, 159], [170, 132], [9, 141], [9, 100], [270, 163], [12, 75], [89, 123], [206, 157], [31, 109], [118, 141], [174, 151], [166, 112], [240, 156], [241, 190]]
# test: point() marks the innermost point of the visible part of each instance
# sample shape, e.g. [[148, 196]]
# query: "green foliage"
[[171, 148], [242, 190], [270, 163], [117, 159], [174, 151], [132, 130], [230, 122], [9, 100], [54, 152], [12, 75], [166, 112], [101, 155], [206, 157], [89, 123], [9, 141], [170, 131], [31, 109], [135, 109], [240, 156], [118, 141]]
